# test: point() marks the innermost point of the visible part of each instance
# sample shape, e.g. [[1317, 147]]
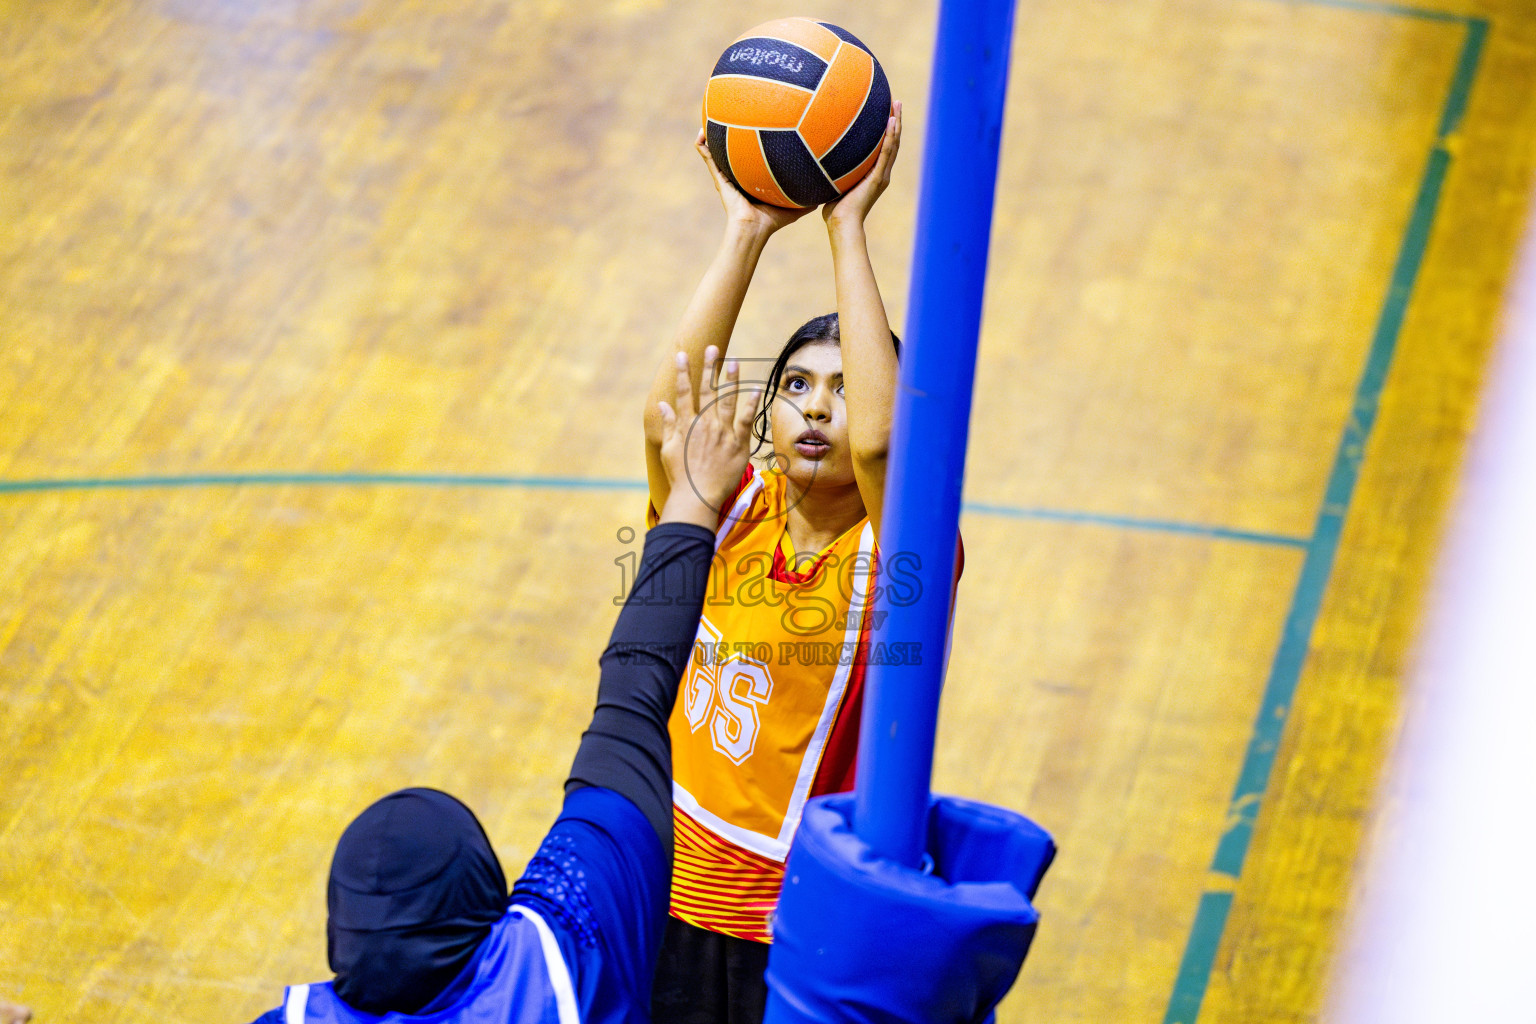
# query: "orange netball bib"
[[776, 652]]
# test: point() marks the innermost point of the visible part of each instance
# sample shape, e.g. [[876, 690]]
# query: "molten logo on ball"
[[753, 55], [795, 111]]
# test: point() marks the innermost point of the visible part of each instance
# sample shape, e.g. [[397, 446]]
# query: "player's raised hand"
[[854, 205], [706, 440], [738, 208]]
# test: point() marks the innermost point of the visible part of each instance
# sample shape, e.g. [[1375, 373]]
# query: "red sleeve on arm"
[[954, 588], [839, 768]]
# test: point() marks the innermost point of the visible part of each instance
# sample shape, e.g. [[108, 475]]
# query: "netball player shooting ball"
[[768, 711], [420, 926]]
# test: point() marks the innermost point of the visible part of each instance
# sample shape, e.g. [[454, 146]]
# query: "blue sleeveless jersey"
[[521, 979]]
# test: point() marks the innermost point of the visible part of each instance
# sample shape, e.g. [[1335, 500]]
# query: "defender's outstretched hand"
[[706, 441]]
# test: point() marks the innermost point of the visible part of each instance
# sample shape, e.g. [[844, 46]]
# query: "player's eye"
[[797, 384]]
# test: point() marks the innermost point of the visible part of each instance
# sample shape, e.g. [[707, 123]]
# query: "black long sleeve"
[[626, 747]]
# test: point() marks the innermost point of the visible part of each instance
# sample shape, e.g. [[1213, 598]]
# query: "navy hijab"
[[414, 890]]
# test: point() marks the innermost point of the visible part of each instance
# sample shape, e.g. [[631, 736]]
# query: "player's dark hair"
[[817, 329]]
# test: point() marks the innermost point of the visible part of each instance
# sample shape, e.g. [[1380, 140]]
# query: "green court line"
[[1129, 523], [1466, 72], [592, 484], [1398, 10], [1215, 904], [565, 483], [1285, 672]]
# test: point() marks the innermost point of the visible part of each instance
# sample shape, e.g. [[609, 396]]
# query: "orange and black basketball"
[[795, 111]]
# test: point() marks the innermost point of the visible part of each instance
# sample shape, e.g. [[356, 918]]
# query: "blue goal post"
[[931, 422]]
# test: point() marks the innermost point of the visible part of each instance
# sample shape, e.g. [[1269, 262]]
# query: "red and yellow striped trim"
[[720, 887]]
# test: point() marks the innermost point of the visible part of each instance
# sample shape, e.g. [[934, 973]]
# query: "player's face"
[[810, 420]]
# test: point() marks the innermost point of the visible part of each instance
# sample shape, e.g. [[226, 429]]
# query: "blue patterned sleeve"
[[600, 879]]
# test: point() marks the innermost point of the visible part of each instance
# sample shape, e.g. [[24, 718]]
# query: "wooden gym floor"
[[324, 334]]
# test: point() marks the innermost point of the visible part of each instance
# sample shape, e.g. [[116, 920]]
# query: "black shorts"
[[703, 977]]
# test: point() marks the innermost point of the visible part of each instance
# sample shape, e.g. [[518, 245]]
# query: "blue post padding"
[[931, 418], [860, 939]]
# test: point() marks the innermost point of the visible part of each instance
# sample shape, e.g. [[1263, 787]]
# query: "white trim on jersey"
[[777, 847], [758, 843], [834, 703], [739, 507], [559, 974], [296, 1003]]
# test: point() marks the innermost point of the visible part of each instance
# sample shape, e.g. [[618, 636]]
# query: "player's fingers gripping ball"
[[795, 111]]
